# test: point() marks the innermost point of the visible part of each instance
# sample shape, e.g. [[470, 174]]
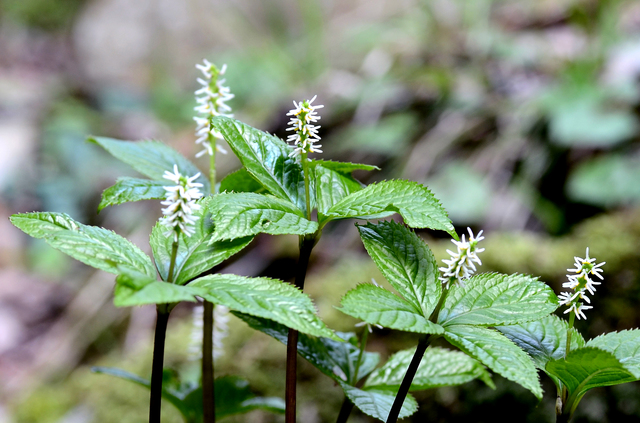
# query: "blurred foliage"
[[42, 14]]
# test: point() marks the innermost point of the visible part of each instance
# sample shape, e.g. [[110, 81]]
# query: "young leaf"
[[497, 353], [377, 306], [151, 158], [587, 368], [377, 403], [625, 345], [331, 187], [417, 205], [134, 288], [132, 189], [406, 261], [338, 360], [264, 297], [266, 158], [439, 367], [494, 299], [240, 181], [343, 167], [195, 255], [96, 247], [544, 340], [245, 214]]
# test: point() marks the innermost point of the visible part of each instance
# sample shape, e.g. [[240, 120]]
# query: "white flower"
[[212, 102], [181, 203], [462, 263], [306, 134], [220, 331], [581, 283]]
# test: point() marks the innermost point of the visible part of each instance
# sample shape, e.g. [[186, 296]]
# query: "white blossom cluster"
[[581, 283], [181, 203], [211, 99], [461, 264], [306, 134], [220, 331]]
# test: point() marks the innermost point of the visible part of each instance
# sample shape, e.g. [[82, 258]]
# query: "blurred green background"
[[522, 116]]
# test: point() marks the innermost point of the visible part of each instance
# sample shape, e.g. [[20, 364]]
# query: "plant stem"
[[408, 379], [563, 418], [572, 319], [208, 393], [208, 390], [162, 310], [305, 169], [345, 411], [562, 396], [158, 359], [306, 245]]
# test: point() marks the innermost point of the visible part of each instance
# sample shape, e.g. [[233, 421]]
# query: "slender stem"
[[363, 345], [208, 392], [408, 379], [172, 263], [345, 411], [158, 359], [305, 169], [561, 400], [306, 245], [563, 418], [572, 319]]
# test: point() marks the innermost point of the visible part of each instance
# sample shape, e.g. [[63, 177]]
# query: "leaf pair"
[[468, 311], [609, 359]]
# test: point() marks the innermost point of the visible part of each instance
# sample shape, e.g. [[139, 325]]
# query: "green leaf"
[[414, 202], [132, 189], [331, 187], [195, 255], [335, 359], [133, 288], [625, 345], [544, 340], [587, 368], [343, 167], [497, 353], [494, 299], [264, 297], [377, 306], [96, 247], [240, 181], [377, 403], [245, 214], [406, 261], [151, 158], [266, 158], [439, 367]]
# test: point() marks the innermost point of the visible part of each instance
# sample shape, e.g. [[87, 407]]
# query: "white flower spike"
[[306, 135], [581, 283], [461, 264], [212, 99], [181, 203]]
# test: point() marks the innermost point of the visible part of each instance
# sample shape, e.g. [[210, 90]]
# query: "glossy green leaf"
[[263, 297], [588, 368], [544, 340], [625, 345], [331, 187], [151, 158], [266, 157], [377, 403], [245, 214], [195, 255], [343, 167], [338, 360], [240, 181], [414, 202], [94, 246], [132, 189], [377, 306], [491, 299], [496, 352], [406, 261], [133, 288], [439, 367]]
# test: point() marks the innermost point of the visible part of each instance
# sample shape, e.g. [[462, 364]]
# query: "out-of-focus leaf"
[[132, 189], [263, 297]]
